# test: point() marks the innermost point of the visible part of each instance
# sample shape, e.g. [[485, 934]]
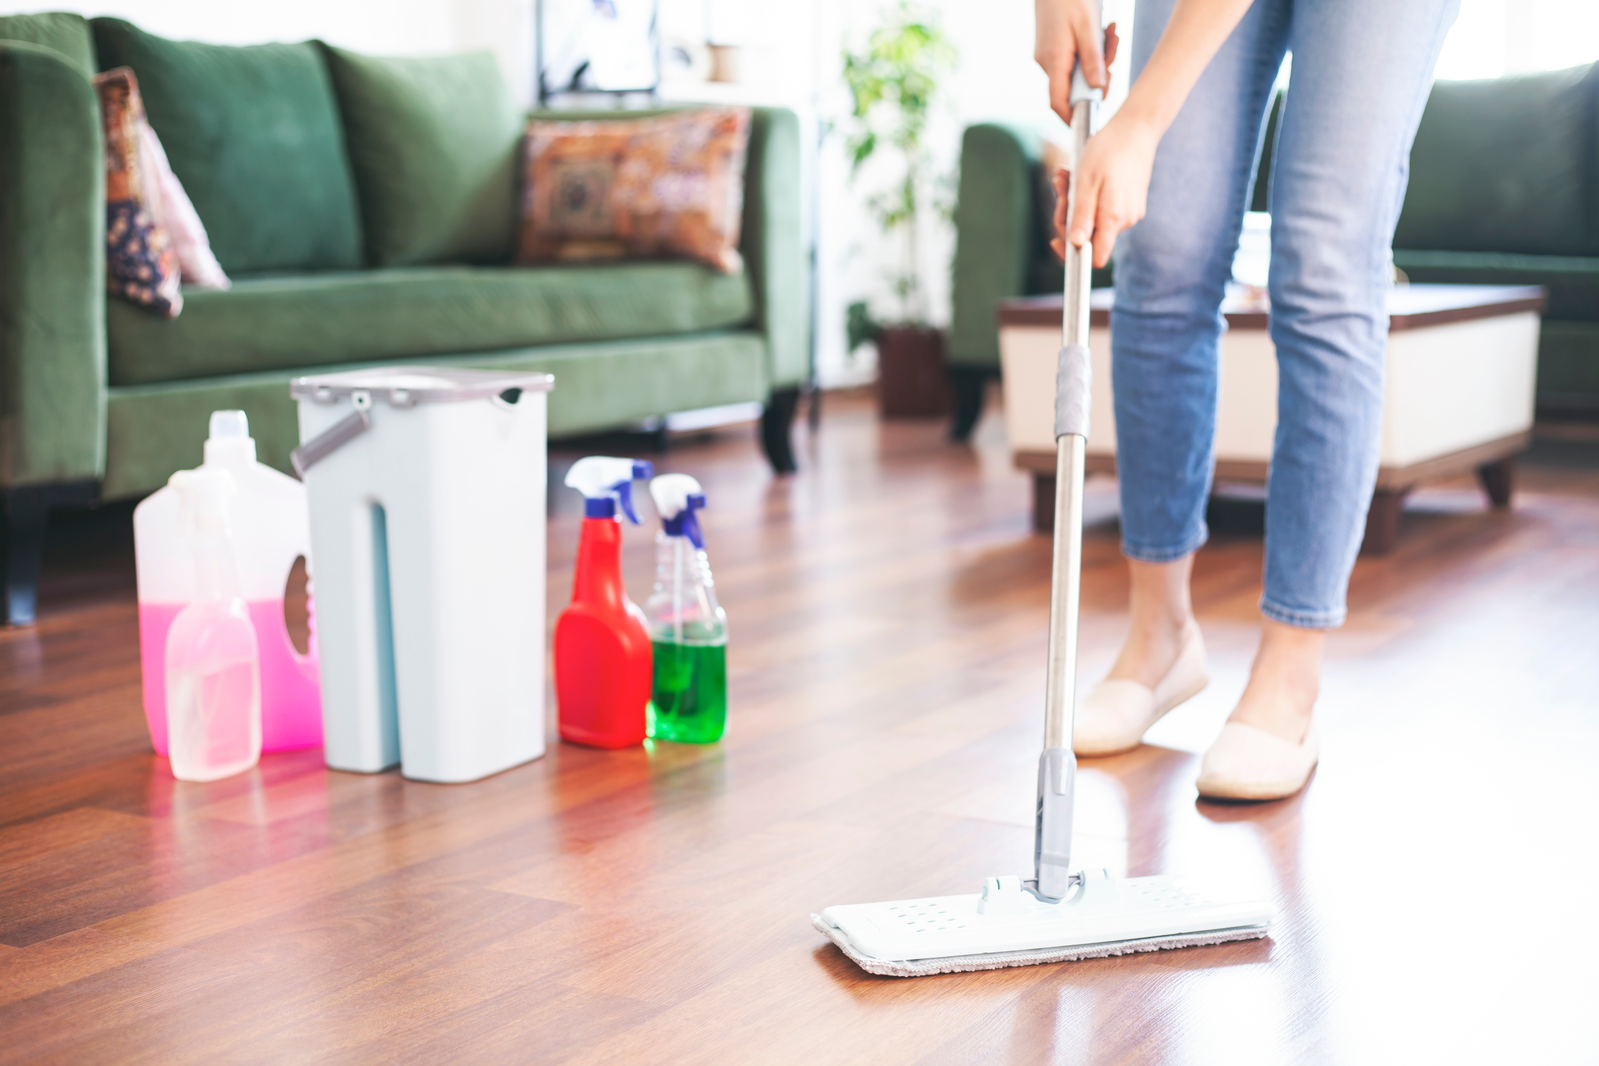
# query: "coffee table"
[[1461, 366]]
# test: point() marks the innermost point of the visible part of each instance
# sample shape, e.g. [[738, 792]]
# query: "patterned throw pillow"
[[175, 213], [667, 186], [141, 264]]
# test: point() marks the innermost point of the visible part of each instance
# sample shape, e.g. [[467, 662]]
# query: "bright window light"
[[1492, 38]]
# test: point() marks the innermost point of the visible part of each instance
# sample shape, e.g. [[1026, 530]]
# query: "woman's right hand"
[[1066, 32]]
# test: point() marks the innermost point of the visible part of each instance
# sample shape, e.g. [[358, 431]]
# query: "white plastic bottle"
[[271, 528], [212, 667]]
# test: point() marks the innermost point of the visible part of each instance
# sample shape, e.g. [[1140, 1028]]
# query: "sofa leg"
[[968, 384], [776, 422], [22, 534], [1498, 481]]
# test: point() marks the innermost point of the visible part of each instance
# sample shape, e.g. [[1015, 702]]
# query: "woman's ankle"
[[1284, 682], [1162, 620], [1152, 648]]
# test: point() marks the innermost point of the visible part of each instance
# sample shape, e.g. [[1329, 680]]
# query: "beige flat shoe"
[[1248, 763], [1115, 716]]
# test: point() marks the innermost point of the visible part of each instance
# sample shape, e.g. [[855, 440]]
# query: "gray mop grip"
[[1074, 387], [1052, 833]]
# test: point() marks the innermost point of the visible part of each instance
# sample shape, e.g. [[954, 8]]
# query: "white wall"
[[395, 27]]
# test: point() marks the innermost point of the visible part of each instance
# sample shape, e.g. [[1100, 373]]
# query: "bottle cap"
[[229, 424], [229, 443]]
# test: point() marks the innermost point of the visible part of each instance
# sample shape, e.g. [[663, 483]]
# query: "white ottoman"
[[1461, 366]]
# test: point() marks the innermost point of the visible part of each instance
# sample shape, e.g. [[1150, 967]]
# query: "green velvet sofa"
[[1504, 190], [366, 211]]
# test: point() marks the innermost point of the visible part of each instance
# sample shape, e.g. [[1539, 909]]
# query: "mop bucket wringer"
[[427, 498]]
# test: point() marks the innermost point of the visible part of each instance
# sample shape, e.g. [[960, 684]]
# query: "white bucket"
[[427, 493]]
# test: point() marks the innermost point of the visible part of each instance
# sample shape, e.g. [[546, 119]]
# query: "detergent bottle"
[[688, 629], [602, 646], [212, 667], [270, 529]]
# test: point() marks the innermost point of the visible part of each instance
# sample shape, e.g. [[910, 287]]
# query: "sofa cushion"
[[433, 142], [152, 430], [1507, 165], [667, 185], [322, 319], [254, 136], [1568, 364], [1572, 281], [60, 32]]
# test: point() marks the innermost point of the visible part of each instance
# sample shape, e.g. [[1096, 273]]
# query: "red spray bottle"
[[603, 659]]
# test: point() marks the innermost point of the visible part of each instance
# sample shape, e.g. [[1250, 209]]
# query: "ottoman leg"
[[1044, 503], [1498, 481], [1382, 521]]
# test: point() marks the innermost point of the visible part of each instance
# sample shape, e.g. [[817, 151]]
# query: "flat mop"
[[1057, 916]]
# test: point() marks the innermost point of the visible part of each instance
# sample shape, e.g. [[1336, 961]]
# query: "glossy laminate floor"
[[1436, 882]]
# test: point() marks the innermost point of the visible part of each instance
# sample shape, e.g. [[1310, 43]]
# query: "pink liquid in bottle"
[[291, 701]]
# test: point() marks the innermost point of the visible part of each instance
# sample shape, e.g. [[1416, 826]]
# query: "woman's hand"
[[1113, 175], [1067, 31], [1112, 187]]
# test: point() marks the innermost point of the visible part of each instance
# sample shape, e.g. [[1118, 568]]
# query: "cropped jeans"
[[1360, 77]]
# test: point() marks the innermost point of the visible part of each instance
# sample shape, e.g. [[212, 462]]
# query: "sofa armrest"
[[52, 270], [773, 244], [996, 235]]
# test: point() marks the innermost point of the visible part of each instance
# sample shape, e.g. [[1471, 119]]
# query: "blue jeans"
[[1361, 73]]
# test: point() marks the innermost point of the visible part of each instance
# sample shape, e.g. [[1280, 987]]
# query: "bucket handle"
[[335, 436]]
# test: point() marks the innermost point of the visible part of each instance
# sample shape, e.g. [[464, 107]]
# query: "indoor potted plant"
[[894, 83]]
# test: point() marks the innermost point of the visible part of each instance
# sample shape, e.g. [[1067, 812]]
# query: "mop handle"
[[1072, 403]]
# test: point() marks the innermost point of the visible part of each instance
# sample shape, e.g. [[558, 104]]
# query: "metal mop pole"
[[1057, 766]]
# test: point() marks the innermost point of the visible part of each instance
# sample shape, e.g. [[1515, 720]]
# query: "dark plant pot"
[[912, 379]]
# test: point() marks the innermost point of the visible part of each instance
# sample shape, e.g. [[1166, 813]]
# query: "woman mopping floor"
[[1169, 176]]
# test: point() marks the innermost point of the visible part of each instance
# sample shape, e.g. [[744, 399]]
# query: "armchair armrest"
[[52, 270], [996, 235], [773, 244]]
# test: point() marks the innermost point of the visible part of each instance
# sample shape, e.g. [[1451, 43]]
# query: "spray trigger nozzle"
[[607, 482], [204, 497], [678, 498]]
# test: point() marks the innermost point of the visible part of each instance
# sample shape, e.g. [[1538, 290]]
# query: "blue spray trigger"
[[624, 497], [685, 523], [642, 468]]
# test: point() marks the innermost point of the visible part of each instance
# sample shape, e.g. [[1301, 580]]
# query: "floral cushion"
[[175, 213], [667, 186], [141, 263]]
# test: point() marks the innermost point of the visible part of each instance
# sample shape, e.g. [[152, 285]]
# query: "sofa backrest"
[[59, 31], [1507, 165], [254, 134], [433, 143]]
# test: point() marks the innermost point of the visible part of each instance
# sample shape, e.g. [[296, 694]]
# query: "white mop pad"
[[1000, 960], [1007, 925]]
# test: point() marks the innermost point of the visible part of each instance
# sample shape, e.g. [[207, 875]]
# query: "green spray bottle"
[[688, 702]]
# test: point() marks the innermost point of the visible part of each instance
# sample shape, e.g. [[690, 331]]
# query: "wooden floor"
[[1436, 883]]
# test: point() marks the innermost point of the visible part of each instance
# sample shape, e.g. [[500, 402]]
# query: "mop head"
[[1005, 926]]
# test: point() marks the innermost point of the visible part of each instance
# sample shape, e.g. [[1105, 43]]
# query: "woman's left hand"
[[1112, 188]]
